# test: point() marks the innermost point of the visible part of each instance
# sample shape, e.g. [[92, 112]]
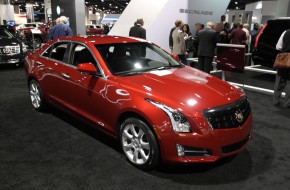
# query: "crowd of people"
[[61, 28], [202, 44]]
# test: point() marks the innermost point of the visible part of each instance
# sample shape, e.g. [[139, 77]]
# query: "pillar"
[[283, 8], [74, 10], [29, 12]]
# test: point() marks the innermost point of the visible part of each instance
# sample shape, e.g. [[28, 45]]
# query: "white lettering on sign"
[[192, 11]]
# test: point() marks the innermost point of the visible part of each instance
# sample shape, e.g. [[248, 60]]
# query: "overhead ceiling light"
[[236, 3], [259, 5]]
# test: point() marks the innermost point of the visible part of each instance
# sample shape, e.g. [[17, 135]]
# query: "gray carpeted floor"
[[55, 151]]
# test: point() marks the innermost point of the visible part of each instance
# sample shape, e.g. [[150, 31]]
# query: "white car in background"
[[31, 25]]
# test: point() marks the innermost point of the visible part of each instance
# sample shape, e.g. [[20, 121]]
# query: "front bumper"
[[11, 59], [209, 146]]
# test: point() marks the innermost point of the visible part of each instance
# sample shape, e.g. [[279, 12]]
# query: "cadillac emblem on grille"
[[239, 116]]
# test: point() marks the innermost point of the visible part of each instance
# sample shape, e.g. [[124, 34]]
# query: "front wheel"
[[139, 144], [36, 95]]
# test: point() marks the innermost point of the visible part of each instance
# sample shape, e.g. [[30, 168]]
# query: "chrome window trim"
[[70, 42]]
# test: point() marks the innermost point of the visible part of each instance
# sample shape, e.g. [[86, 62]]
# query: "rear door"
[[50, 66]]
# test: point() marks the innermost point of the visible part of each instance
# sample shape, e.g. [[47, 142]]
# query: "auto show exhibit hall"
[[55, 150]]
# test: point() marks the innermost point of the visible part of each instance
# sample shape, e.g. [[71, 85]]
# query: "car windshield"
[[5, 34], [136, 58]]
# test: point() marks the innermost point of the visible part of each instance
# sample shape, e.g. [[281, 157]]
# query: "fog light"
[[180, 150]]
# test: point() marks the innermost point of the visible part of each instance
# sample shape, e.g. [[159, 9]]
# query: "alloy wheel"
[[35, 95], [135, 144]]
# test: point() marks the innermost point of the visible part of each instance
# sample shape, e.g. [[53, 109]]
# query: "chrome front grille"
[[229, 116], [9, 49]]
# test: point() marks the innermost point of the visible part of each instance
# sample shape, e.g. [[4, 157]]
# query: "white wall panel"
[[159, 16]]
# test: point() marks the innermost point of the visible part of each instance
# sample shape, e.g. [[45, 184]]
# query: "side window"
[[81, 54], [46, 53], [58, 51]]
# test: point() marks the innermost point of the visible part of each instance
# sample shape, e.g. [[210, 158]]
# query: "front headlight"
[[178, 120]]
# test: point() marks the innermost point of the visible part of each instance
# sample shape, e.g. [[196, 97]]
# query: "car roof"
[[102, 39]]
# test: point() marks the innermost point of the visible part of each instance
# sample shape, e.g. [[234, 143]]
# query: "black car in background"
[[12, 50], [264, 52], [10, 28]]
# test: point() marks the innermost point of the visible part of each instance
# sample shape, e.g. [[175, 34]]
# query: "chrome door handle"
[[39, 64], [65, 76]]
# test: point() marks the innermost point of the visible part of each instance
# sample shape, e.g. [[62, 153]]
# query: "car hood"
[[184, 88], [9, 41]]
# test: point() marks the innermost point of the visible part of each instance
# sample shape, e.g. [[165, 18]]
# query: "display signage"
[[192, 11], [231, 57]]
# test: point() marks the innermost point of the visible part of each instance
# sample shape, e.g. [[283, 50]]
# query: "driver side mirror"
[[87, 68], [175, 57]]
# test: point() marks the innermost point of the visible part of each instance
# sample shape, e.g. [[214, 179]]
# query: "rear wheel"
[[139, 144], [36, 95]]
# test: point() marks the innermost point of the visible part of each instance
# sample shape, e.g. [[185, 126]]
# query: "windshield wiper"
[[167, 67], [126, 73]]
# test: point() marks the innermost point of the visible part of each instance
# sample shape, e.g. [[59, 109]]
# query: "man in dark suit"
[[138, 30], [207, 39]]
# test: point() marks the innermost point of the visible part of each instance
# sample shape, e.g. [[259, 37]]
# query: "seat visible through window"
[[59, 53], [85, 56]]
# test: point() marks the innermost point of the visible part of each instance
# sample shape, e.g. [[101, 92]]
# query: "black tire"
[[147, 148], [36, 96]]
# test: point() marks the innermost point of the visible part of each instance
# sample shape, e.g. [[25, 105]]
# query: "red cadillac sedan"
[[158, 108]]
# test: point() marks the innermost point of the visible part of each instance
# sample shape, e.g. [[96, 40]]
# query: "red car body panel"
[[102, 101], [43, 33], [94, 31]]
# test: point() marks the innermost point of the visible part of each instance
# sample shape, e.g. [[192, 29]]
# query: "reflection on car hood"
[[187, 87], [8, 41]]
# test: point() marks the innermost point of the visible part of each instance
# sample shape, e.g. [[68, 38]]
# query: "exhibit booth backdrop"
[[160, 16], [6, 13]]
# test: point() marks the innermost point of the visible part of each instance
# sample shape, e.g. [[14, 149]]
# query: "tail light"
[[258, 36]]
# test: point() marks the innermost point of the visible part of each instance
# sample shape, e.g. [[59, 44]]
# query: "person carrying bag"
[[282, 64], [282, 61]]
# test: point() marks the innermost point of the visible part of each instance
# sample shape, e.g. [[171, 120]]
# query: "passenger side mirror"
[[87, 68], [175, 57]]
